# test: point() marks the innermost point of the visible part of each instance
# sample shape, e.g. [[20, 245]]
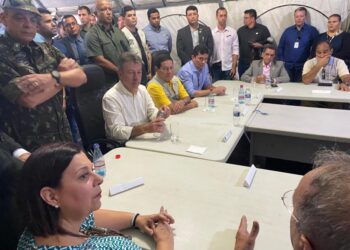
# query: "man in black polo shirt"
[[252, 37]]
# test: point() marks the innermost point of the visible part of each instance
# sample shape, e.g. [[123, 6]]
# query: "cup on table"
[[174, 132]]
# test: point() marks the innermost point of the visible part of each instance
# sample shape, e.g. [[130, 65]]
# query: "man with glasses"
[[319, 208], [105, 43], [32, 81], [73, 44], [167, 89], [195, 75]]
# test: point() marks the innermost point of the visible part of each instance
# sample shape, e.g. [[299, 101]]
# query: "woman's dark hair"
[[44, 168]]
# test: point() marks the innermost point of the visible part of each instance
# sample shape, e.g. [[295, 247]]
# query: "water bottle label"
[[211, 102], [236, 113]]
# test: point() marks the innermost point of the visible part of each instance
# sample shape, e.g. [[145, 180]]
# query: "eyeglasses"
[[68, 25], [287, 200]]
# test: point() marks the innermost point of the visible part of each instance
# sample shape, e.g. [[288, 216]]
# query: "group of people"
[[60, 193]]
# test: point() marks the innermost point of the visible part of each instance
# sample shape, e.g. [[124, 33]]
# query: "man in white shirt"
[[128, 110], [226, 49], [137, 41]]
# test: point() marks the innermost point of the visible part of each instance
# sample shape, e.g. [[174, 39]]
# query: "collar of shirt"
[[216, 30], [73, 39], [155, 29], [267, 66], [111, 27], [16, 46], [121, 88], [194, 68]]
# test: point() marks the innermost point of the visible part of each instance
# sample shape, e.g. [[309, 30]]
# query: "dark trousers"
[[242, 67], [144, 80], [294, 71], [218, 74]]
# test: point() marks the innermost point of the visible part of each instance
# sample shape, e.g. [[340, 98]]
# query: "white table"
[[292, 91], [296, 133], [206, 198], [204, 129]]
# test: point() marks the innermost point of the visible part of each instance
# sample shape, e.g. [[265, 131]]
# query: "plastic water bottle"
[[268, 82], [236, 114], [99, 161], [248, 95], [211, 101], [241, 95]]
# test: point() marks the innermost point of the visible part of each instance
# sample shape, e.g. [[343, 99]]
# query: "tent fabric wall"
[[276, 20]]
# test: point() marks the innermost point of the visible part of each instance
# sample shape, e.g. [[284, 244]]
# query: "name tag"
[[296, 45]]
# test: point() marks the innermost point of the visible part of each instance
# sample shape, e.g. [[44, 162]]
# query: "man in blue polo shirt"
[[157, 37], [295, 45], [195, 75]]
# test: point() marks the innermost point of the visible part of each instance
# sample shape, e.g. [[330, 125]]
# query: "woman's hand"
[[163, 236], [147, 223]]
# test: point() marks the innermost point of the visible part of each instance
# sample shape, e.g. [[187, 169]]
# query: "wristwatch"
[[56, 75]]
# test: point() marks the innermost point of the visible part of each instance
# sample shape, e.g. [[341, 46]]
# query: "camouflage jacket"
[[45, 123]]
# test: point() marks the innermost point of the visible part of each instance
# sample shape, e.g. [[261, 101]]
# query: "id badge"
[[296, 45]]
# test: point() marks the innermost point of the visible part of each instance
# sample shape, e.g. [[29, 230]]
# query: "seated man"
[[167, 89], [195, 74], [326, 68], [266, 68], [319, 208], [128, 109]]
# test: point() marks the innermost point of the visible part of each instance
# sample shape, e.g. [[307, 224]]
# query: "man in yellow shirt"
[[166, 89]]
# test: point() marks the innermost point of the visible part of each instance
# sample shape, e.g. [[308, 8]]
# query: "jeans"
[[218, 74]]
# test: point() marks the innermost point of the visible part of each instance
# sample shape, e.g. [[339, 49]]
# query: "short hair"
[[126, 9], [269, 46], [220, 8], [200, 49], [44, 11], [323, 213], [191, 7], [335, 15], [301, 9], [251, 12], [162, 57], [44, 168], [68, 16], [322, 42], [151, 11], [127, 57], [83, 7]]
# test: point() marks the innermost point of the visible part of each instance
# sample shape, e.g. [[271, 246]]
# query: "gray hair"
[[126, 58], [324, 213]]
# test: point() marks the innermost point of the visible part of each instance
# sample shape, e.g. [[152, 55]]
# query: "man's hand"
[[165, 111], [244, 239], [193, 104], [323, 61], [34, 83], [344, 87], [257, 45], [155, 126], [233, 72], [67, 64], [178, 106], [260, 78], [220, 90]]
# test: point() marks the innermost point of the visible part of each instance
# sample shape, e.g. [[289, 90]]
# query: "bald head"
[[104, 11], [321, 204]]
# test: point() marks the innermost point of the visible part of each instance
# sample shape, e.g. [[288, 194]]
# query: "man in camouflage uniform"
[[32, 80]]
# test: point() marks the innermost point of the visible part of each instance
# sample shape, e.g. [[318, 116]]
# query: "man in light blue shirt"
[[195, 75], [157, 37]]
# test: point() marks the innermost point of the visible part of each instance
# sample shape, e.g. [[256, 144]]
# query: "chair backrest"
[[87, 100]]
